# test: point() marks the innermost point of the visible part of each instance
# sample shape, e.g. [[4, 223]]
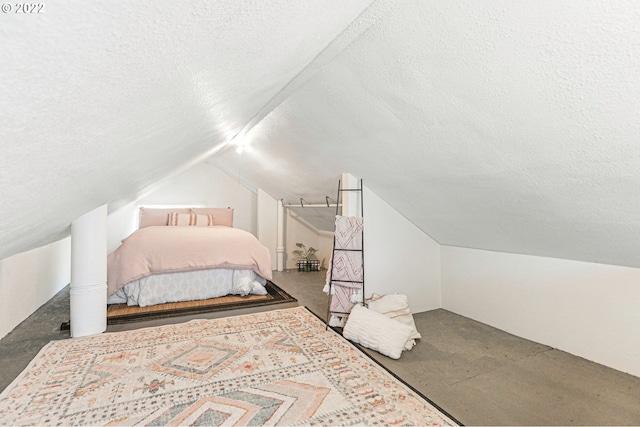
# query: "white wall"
[[120, 224], [29, 279], [297, 230], [590, 310], [325, 247], [350, 200], [399, 257], [203, 185], [267, 224]]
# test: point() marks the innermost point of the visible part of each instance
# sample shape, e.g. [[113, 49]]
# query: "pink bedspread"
[[153, 250]]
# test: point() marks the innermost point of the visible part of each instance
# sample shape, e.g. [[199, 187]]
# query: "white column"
[[89, 273], [350, 199], [280, 249], [267, 210]]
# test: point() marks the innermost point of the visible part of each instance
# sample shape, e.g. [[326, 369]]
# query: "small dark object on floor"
[[65, 326]]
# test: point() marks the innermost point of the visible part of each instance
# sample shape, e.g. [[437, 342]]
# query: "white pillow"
[[376, 331], [396, 306]]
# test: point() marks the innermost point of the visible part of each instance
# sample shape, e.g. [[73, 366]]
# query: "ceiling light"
[[243, 146]]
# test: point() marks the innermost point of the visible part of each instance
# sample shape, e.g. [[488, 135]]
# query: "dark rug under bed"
[[122, 313]]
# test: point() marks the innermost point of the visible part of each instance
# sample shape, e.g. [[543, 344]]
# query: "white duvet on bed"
[[187, 286]]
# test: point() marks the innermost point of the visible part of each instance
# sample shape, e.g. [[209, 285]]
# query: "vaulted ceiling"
[[507, 126]]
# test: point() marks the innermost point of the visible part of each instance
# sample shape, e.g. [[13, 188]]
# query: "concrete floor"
[[479, 374]]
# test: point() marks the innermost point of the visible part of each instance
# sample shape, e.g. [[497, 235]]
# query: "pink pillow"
[[190, 219], [153, 216], [221, 216]]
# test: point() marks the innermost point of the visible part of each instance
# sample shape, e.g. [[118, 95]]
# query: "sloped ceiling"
[[508, 126], [101, 99]]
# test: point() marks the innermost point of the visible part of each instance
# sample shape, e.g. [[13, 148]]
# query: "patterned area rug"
[[273, 368]]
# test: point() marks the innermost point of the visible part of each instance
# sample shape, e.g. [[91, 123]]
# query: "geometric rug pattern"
[[278, 367]]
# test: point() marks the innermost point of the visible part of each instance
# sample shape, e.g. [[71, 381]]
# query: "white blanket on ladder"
[[346, 268], [348, 232]]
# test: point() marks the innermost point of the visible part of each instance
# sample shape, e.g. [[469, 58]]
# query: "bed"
[[186, 254]]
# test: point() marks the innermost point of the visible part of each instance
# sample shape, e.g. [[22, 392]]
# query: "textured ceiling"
[[101, 99], [501, 125]]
